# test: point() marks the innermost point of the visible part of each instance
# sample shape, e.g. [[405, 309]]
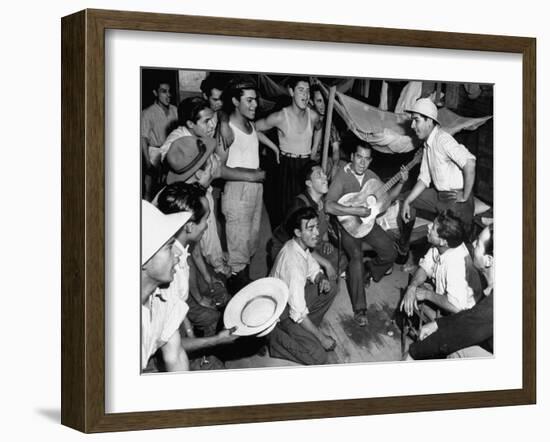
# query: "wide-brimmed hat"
[[186, 155], [426, 107], [255, 308], [157, 228]]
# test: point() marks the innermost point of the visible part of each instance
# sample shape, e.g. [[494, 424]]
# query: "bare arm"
[[273, 120], [394, 193], [264, 139], [418, 188], [223, 337], [469, 174], [409, 300], [174, 355]]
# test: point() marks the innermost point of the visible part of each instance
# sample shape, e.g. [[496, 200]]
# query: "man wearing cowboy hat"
[[297, 336], [160, 316], [447, 174]]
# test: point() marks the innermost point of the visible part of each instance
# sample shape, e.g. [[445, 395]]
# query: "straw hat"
[[157, 228], [255, 309], [186, 155], [426, 107]]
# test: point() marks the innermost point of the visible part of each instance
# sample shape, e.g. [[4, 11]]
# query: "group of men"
[[217, 137]]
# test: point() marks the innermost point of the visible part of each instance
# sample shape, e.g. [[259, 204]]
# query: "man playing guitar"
[[351, 178]]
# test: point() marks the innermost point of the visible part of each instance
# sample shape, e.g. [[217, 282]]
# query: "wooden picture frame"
[[83, 220]]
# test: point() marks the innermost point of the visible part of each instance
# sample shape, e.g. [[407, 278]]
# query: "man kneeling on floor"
[[297, 336]]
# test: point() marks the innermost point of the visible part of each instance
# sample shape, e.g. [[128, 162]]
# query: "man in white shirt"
[[297, 336], [446, 264], [446, 178], [161, 315]]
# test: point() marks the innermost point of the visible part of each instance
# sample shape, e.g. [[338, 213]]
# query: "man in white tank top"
[[298, 129], [241, 200]]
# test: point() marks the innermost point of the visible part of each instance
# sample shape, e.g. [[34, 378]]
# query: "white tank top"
[[244, 152]]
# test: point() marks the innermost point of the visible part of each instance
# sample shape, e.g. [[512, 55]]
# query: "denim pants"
[[242, 208]]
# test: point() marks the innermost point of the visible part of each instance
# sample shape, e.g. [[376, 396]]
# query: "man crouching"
[[297, 336]]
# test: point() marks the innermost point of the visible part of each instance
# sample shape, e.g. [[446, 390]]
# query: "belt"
[[295, 155]]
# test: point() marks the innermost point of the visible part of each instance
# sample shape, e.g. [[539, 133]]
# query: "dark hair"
[[190, 109], [293, 81], [213, 81], [316, 88], [295, 219], [307, 170], [161, 79], [450, 227], [235, 89], [180, 197], [362, 145]]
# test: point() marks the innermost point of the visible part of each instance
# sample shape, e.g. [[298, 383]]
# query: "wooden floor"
[[379, 341]]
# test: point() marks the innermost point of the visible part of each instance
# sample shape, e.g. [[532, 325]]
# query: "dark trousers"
[[428, 204], [290, 182], [289, 340], [386, 253], [458, 331]]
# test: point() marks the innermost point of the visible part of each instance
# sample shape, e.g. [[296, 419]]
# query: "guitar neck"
[[393, 181]]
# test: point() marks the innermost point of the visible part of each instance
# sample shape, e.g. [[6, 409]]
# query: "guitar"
[[373, 195]]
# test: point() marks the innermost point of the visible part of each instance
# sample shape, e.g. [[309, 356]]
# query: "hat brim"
[[173, 176], [255, 309], [411, 111]]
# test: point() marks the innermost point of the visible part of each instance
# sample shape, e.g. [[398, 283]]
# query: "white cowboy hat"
[[425, 107], [157, 228], [255, 309]]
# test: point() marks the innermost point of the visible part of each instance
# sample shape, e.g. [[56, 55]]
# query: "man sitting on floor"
[[160, 316], [469, 333], [174, 199], [446, 264], [297, 336], [315, 184]]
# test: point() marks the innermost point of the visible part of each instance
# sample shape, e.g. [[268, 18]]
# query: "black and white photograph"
[[303, 220]]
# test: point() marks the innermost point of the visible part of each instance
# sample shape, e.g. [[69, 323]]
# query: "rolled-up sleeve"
[[457, 290], [457, 152], [297, 299], [428, 262]]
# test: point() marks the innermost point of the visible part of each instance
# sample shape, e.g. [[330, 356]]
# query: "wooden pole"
[[328, 125]]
